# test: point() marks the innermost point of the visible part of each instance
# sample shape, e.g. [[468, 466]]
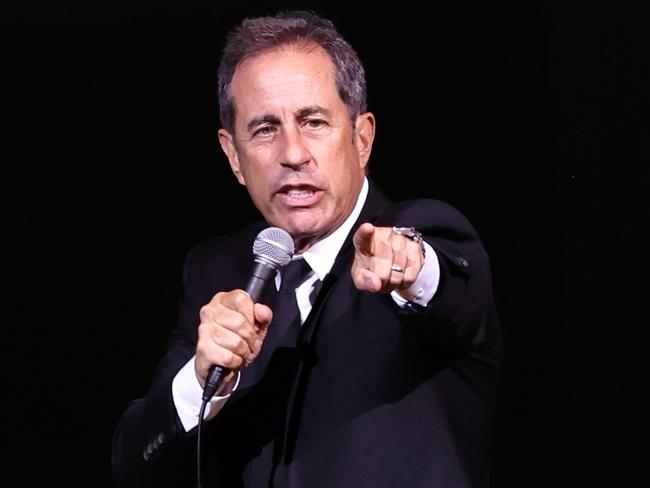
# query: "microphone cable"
[[212, 384], [199, 464]]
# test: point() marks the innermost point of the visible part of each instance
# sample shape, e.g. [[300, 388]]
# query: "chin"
[[304, 229], [300, 222]]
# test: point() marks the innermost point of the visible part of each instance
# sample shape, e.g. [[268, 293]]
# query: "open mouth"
[[300, 192], [299, 195]]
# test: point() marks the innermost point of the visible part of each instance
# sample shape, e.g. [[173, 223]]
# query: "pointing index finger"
[[363, 238]]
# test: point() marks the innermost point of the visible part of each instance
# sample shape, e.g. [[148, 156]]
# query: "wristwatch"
[[412, 234]]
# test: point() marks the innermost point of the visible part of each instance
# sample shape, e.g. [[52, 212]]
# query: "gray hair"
[[254, 36]]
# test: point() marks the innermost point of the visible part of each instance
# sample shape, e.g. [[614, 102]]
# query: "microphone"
[[272, 249]]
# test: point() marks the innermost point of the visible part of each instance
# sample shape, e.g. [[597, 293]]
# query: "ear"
[[364, 136], [227, 141]]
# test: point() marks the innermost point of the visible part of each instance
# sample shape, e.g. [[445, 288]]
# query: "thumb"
[[362, 239], [263, 315]]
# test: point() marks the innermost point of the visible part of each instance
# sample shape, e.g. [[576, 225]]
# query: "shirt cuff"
[[187, 395], [425, 286]]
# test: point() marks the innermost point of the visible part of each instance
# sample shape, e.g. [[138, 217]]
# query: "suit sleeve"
[[150, 446], [462, 312]]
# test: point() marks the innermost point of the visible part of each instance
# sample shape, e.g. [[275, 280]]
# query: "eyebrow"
[[301, 114], [311, 110], [264, 119]]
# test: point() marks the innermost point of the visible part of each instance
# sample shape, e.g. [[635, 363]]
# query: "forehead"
[[286, 79]]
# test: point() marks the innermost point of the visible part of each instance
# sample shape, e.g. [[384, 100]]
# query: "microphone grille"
[[274, 246]]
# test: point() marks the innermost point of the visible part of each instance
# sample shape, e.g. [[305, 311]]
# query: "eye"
[[265, 131], [315, 123]]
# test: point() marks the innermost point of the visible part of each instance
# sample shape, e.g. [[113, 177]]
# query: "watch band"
[[412, 234]]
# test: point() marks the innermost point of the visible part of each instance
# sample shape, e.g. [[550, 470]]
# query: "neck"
[[303, 243]]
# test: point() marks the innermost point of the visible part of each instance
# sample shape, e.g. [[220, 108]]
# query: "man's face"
[[294, 146]]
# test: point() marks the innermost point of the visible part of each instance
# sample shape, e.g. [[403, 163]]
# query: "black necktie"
[[286, 315]]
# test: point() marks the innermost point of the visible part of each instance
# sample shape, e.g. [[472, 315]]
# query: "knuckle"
[[238, 297], [201, 349], [203, 330], [240, 322], [204, 312], [227, 358], [240, 346]]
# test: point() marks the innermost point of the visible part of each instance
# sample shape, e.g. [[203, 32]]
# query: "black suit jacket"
[[367, 395]]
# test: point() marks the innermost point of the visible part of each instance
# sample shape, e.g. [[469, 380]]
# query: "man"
[[388, 378]]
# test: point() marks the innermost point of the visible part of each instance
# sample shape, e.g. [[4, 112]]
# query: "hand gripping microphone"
[[272, 249]]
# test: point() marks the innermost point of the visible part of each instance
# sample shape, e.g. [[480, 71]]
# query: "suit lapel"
[[375, 203]]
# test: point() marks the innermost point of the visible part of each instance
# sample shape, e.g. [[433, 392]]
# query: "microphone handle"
[[260, 279], [213, 381]]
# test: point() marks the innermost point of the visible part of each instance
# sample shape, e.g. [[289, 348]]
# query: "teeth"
[[300, 193]]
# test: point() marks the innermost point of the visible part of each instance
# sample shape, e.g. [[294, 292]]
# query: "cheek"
[[255, 171]]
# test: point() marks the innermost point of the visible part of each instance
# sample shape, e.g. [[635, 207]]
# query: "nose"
[[295, 152]]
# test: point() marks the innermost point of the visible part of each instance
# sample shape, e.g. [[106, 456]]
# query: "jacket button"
[[462, 262], [145, 455], [161, 438]]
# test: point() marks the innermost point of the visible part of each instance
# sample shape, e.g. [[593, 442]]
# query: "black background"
[[531, 119]]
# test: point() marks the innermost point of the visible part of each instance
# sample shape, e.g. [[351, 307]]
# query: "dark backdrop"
[[531, 119]]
